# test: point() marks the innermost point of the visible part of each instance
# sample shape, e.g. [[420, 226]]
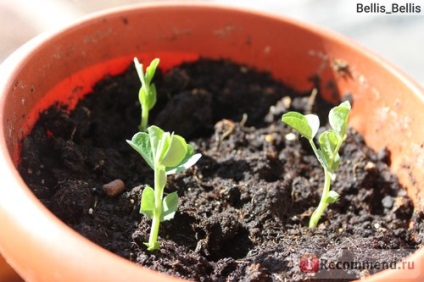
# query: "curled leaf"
[[329, 146], [188, 162], [169, 206], [338, 118], [155, 136], [333, 197], [151, 69], [306, 125], [141, 142], [147, 92], [313, 122], [175, 152]]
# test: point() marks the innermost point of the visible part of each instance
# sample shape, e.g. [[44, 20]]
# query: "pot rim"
[[37, 41]]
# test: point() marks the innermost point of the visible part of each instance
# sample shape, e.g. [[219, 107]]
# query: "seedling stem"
[[328, 154]]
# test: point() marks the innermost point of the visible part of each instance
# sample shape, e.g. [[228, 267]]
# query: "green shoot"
[[166, 153], [330, 142], [147, 93]]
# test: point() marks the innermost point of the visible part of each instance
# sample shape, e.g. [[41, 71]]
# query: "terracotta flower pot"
[[7, 273], [388, 110]]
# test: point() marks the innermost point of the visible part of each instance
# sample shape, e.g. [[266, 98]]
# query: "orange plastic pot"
[[7, 273], [63, 66]]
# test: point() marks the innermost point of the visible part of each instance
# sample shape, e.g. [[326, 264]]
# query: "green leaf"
[[162, 148], [142, 144], [151, 97], [306, 125], [329, 145], [185, 164], [155, 136], [338, 118], [147, 97], [336, 163], [169, 206], [151, 69], [148, 202], [173, 151], [142, 97], [313, 121], [139, 69], [328, 141], [146, 78], [176, 151], [189, 160], [333, 197], [147, 92]]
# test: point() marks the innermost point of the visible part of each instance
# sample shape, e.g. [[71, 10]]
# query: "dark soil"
[[244, 207]]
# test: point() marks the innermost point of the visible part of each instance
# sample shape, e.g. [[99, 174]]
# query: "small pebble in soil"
[[290, 137], [370, 166], [387, 202], [269, 138], [114, 188]]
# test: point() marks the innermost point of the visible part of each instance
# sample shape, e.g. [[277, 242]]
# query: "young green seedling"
[[330, 142], [147, 93], [166, 153]]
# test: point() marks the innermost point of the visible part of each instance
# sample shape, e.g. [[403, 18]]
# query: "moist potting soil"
[[244, 207]]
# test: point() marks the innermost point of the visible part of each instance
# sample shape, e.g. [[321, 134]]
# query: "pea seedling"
[[330, 142], [166, 153], [147, 93]]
